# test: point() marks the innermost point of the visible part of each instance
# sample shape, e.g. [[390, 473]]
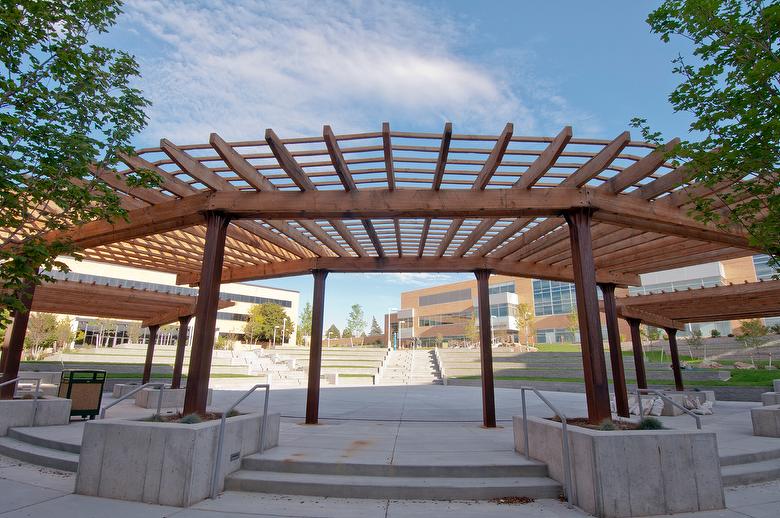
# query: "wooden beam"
[[372, 235], [388, 152], [640, 169], [486, 349], [494, 159], [545, 160], [240, 165], [287, 162], [424, 236], [441, 161], [398, 239], [651, 319], [339, 164], [598, 163], [406, 264]]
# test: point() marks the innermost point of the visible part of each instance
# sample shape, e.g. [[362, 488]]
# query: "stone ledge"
[[630, 473]]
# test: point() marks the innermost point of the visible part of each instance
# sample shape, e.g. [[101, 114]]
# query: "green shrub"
[[191, 419], [714, 333], [607, 425], [650, 423]]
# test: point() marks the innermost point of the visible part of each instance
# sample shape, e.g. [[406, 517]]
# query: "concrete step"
[[355, 486], [750, 473], [21, 434], [510, 468], [39, 455], [747, 458]]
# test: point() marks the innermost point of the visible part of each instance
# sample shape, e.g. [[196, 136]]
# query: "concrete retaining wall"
[[50, 411], [164, 463], [631, 473], [172, 398], [766, 420]]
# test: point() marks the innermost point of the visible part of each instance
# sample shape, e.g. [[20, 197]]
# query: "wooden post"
[[615, 353], [315, 348], [639, 358], [196, 395], [12, 355], [181, 344], [672, 334], [150, 353], [486, 349], [594, 366]]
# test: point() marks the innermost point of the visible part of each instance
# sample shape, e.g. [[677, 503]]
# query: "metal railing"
[[567, 484], [157, 384], [221, 439], [666, 398], [36, 394]]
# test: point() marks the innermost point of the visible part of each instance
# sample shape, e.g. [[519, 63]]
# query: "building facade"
[[447, 313], [230, 321]]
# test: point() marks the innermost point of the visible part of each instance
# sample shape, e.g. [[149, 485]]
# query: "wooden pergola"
[[92, 299], [672, 310], [587, 211]]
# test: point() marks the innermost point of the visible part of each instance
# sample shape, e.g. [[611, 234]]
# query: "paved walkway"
[[391, 425]]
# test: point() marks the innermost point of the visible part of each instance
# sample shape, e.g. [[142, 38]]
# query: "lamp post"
[[492, 332], [284, 330], [387, 329], [329, 332], [274, 341]]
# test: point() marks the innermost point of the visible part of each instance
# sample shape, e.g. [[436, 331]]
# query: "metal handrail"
[[37, 381], [221, 439], [567, 485], [158, 384], [666, 398]]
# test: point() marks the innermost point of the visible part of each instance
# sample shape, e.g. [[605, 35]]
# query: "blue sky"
[[238, 68]]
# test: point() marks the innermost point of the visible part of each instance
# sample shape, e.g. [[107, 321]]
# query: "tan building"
[[443, 313], [230, 321]]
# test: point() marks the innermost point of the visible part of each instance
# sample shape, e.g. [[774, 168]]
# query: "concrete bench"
[[766, 420]]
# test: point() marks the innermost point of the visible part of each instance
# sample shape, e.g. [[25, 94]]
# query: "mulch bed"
[[513, 500], [582, 422]]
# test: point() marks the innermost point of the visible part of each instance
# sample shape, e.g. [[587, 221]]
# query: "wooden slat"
[[545, 160], [640, 169], [441, 161], [286, 161], [494, 159], [338, 159]]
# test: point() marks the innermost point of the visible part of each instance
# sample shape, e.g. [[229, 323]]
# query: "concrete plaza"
[[399, 426]]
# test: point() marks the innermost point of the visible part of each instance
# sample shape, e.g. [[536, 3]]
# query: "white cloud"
[[239, 67]]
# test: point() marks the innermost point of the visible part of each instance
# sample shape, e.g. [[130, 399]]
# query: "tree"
[[67, 108], [333, 332], [41, 333], [573, 320], [63, 333], [470, 329], [134, 332], [731, 87], [263, 318], [375, 329], [356, 322], [751, 336], [524, 315], [305, 325]]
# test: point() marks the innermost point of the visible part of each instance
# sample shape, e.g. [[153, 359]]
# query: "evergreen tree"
[[305, 325], [375, 329]]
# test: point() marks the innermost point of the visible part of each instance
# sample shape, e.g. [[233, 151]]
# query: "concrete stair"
[[21, 445], [442, 482], [750, 468]]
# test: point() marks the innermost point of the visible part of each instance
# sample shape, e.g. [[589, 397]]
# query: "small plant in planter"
[[191, 419], [607, 425], [650, 423]]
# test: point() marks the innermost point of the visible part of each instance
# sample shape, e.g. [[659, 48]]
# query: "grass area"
[[558, 348], [165, 375], [739, 378], [355, 375]]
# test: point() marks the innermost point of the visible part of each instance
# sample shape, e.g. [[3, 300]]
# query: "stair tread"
[[38, 454], [751, 467], [368, 480]]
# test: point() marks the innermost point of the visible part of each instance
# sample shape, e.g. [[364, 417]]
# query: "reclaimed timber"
[[181, 345], [678, 381], [615, 352], [147, 374], [639, 356]]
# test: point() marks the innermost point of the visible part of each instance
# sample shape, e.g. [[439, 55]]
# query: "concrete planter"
[[19, 412], [770, 398], [164, 463], [172, 398], [631, 473], [766, 420], [122, 389]]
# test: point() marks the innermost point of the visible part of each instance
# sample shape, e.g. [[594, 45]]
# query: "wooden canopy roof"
[[102, 301], [730, 302], [405, 201]]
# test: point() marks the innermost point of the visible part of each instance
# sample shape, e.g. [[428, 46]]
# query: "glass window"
[[506, 287], [763, 270], [664, 287], [553, 298], [557, 335]]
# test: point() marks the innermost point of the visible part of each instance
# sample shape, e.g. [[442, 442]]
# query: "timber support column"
[[486, 349], [593, 364], [181, 344], [196, 394], [315, 348], [639, 357], [678, 382], [12, 355], [150, 354], [615, 353]]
